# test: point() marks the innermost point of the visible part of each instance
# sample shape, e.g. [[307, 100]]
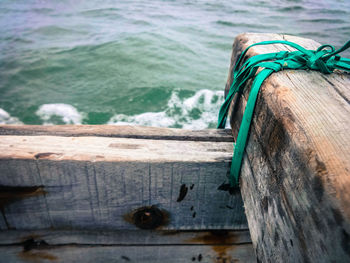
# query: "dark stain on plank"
[[227, 187], [221, 241], [31, 251], [182, 193], [45, 155], [31, 243], [10, 194], [125, 258], [148, 217]]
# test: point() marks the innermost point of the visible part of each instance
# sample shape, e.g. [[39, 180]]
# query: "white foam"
[[159, 119], [67, 113], [205, 102], [6, 118]]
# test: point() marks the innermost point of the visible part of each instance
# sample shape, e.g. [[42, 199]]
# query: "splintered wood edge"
[[112, 149], [120, 131]]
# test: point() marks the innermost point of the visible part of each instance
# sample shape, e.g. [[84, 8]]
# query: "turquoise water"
[[159, 63]]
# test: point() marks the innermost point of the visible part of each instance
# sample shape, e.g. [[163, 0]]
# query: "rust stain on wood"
[[10, 194], [182, 193], [221, 241], [30, 251], [36, 257], [148, 217]]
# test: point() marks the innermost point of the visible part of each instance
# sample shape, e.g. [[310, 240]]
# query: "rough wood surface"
[[295, 179], [112, 149], [125, 246], [95, 182], [126, 237], [147, 254], [120, 131]]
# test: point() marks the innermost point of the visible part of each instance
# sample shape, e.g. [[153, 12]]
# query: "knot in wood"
[[148, 217]]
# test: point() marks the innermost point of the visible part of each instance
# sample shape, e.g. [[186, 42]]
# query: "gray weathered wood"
[[295, 179], [147, 254], [99, 183], [120, 131], [126, 237], [124, 246]]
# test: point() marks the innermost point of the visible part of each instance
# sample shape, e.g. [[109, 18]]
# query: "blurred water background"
[[147, 62]]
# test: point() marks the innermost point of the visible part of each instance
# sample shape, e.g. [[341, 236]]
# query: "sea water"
[[157, 63]]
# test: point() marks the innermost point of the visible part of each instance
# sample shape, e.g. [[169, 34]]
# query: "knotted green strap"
[[325, 59]]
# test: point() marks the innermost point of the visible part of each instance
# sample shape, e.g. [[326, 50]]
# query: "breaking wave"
[[197, 112], [59, 113], [6, 118]]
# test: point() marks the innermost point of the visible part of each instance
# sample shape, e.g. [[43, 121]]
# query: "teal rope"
[[325, 59]]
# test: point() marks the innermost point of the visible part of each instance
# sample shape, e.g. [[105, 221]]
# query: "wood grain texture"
[[147, 254], [295, 178], [119, 131], [101, 183], [126, 246], [112, 149], [127, 237]]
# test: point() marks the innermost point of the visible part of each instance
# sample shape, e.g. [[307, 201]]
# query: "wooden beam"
[[126, 246], [110, 183], [127, 237], [295, 179], [120, 131]]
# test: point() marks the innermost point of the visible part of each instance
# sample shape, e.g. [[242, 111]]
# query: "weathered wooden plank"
[[120, 131], [111, 149], [102, 183], [296, 172], [126, 237], [123, 246], [148, 254]]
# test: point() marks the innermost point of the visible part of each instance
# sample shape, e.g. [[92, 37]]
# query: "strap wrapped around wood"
[[295, 177]]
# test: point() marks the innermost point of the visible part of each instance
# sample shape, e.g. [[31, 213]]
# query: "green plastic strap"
[[325, 59]]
